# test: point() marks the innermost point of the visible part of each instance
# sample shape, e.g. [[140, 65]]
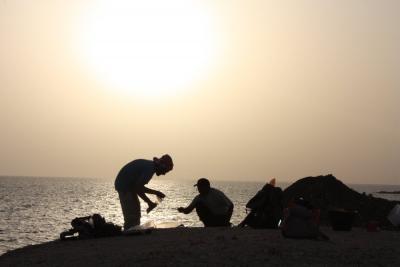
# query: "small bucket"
[[341, 220]]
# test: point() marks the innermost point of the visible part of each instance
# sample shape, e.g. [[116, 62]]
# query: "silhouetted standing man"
[[130, 183]]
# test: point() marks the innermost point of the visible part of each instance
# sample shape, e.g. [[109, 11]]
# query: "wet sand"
[[215, 247]]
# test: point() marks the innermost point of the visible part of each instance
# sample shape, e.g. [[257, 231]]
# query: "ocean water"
[[35, 210]]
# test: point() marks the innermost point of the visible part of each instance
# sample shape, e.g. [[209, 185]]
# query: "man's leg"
[[205, 215], [130, 208], [223, 219], [210, 219], [227, 217]]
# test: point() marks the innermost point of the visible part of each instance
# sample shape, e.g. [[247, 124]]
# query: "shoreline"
[[215, 247]]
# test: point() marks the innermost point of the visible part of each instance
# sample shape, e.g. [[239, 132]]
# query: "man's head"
[[203, 186], [163, 164]]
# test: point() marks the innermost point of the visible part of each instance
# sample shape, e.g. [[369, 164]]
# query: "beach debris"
[[168, 224], [145, 228]]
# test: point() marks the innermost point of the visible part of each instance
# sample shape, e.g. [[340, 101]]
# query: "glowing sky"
[[242, 90]]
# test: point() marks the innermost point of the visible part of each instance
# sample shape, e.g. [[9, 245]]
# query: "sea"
[[34, 210]]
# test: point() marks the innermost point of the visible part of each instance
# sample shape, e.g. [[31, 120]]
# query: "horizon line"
[[180, 179]]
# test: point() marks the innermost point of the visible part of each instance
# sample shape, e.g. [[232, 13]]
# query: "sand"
[[215, 247]]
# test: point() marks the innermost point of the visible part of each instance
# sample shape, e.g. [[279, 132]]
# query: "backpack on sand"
[[266, 208], [93, 226]]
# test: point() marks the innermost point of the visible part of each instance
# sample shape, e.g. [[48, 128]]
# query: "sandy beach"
[[215, 247]]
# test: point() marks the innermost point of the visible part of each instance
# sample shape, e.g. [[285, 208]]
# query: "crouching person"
[[213, 207], [300, 221]]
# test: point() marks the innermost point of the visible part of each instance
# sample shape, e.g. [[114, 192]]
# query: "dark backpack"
[[266, 208], [91, 227]]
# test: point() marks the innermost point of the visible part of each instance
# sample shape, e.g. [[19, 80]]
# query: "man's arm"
[[142, 180], [153, 192], [189, 208], [141, 193], [143, 196]]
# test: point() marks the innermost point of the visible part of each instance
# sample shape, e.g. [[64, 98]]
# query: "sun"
[[147, 48]]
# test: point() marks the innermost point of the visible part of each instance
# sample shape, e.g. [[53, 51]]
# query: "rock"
[[327, 192]]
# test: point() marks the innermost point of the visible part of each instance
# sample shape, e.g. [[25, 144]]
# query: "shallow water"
[[35, 210]]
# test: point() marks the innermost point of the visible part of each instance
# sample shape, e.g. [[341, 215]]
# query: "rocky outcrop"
[[327, 192]]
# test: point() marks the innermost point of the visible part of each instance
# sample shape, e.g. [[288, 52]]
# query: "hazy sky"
[[247, 90]]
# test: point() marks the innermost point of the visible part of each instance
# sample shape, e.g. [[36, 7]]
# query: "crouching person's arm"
[[189, 208], [231, 206]]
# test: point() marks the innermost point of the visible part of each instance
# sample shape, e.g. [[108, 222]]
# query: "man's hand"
[[152, 205], [160, 194], [181, 210]]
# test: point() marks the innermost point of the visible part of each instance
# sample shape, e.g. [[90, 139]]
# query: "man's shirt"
[[134, 175], [215, 200]]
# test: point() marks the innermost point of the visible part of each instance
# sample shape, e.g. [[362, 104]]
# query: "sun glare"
[[148, 48]]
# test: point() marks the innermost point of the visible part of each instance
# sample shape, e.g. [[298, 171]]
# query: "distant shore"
[[215, 247], [388, 192]]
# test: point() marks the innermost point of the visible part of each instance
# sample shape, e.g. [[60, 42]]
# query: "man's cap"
[[202, 181]]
